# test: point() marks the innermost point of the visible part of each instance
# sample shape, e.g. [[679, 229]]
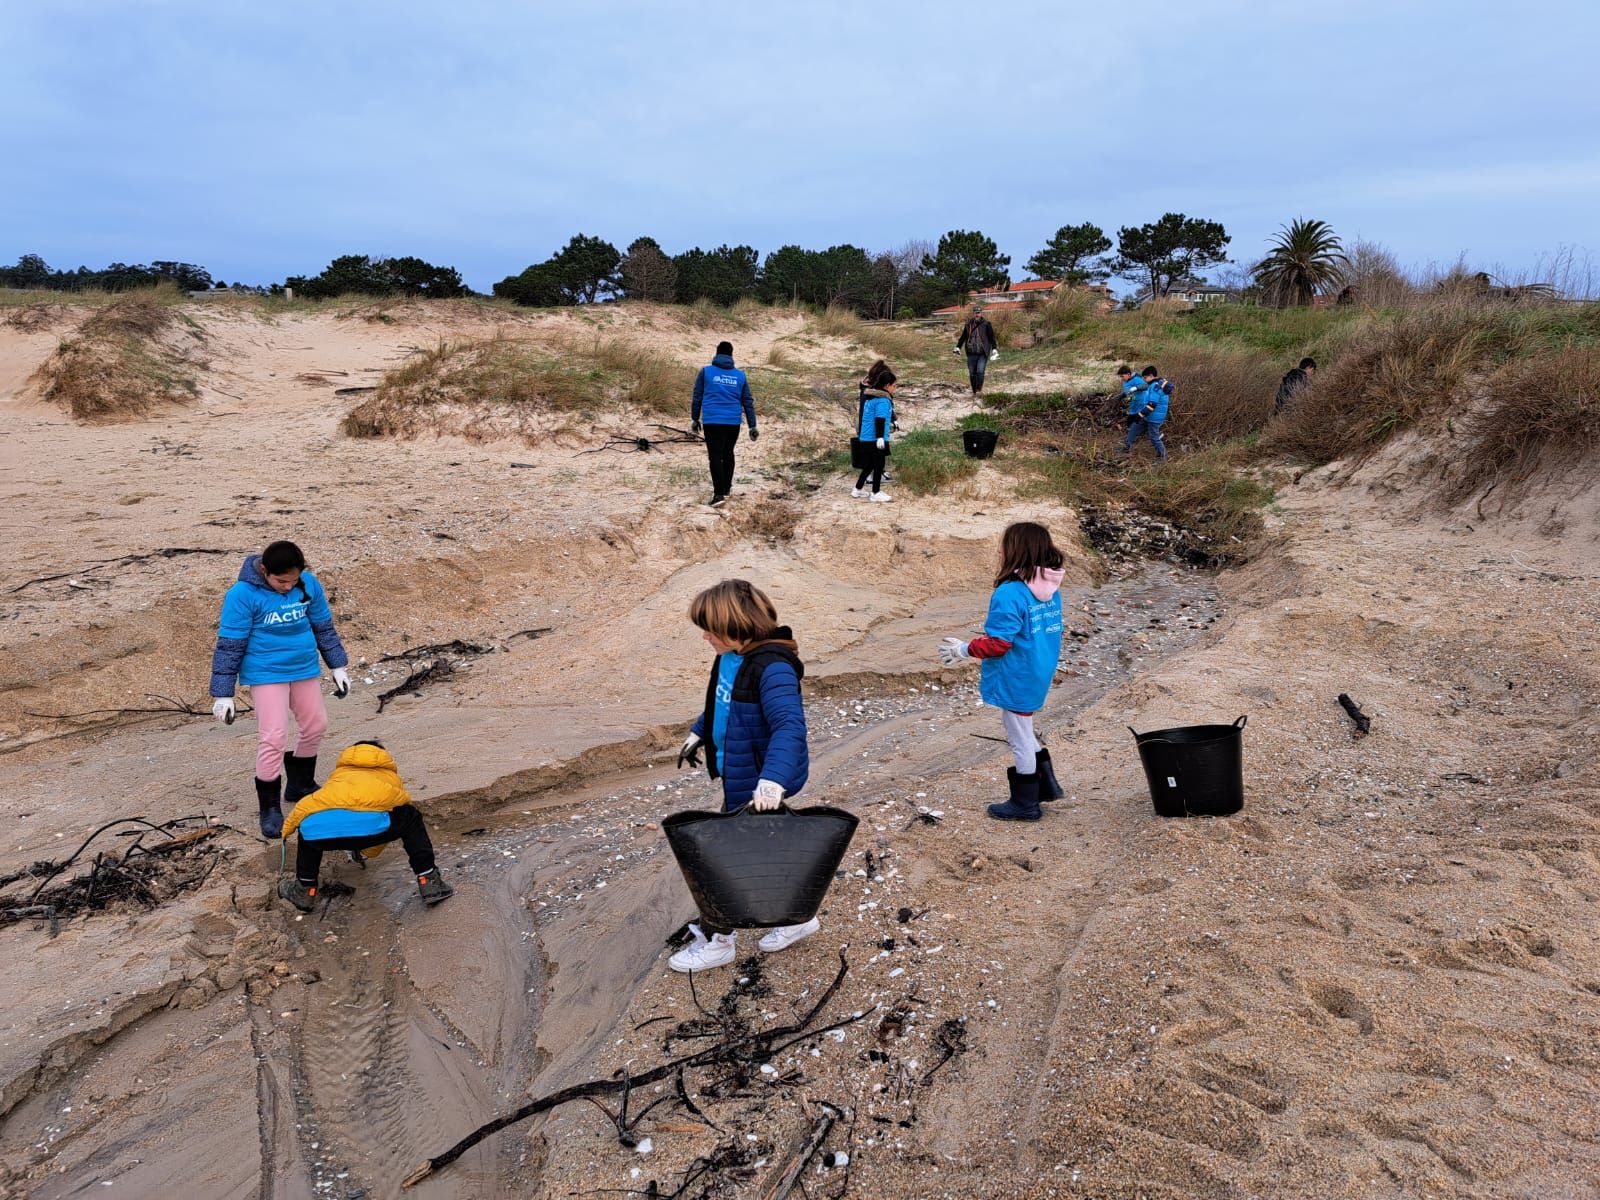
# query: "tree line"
[[911, 280]]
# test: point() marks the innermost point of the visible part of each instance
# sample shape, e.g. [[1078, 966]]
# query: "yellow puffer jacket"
[[365, 780]]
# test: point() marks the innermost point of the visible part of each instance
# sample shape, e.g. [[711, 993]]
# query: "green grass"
[[926, 461]]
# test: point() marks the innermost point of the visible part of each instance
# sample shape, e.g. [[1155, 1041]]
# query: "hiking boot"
[[1049, 789], [881, 497], [1024, 802], [433, 888], [300, 895], [268, 793], [785, 936], [704, 953], [299, 778], [859, 493]]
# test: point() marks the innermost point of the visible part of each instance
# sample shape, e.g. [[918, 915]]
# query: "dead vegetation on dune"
[[127, 360], [506, 386]]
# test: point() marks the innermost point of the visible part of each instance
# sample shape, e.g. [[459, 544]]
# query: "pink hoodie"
[[1046, 582]]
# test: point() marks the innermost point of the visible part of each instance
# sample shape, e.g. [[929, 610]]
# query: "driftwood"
[[167, 705], [439, 668], [1363, 722], [126, 560], [753, 1046], [784, 1180]]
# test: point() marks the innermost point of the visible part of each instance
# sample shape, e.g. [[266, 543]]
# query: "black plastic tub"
[[979, 443], [756, 870], [1194, 770]]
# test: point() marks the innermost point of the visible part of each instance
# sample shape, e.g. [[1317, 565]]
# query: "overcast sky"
[[262, 139]]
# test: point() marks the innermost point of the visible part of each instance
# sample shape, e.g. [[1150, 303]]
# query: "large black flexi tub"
[[756, 870], [979, 443], [1194, 770]]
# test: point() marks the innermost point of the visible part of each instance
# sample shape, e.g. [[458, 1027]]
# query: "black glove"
[[694, 426], [689, 752], [1130, 419], [755, 433]]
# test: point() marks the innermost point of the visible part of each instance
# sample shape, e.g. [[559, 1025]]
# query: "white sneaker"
[[859, 493], [881, 497], [785, 936], [704, 953]]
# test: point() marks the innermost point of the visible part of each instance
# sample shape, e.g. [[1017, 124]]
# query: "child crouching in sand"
[[1019, 649], [362, 807], [753, 732]]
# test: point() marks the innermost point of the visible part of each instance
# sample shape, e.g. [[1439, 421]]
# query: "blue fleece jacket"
[[265, 637], [722, 395], [877, 416], [1019, 680], [1156, 393], [763, 734]]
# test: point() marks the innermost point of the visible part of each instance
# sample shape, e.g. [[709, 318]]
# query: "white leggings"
[[1025, 746]]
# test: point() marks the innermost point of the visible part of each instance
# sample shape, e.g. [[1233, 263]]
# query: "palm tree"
[[1306, 258]]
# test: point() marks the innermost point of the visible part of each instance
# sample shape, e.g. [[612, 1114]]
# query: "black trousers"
[[880, 459], [405, 825], [720, 440]]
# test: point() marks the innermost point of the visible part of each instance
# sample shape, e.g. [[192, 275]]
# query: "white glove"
[[880, 443], [958, 348], [952, 650], [994, 356], [690, 751], [222, 709], [341, 683], [768, 796]]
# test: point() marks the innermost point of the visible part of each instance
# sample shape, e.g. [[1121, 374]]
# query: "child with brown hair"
[[753, 732], [1019, 650]]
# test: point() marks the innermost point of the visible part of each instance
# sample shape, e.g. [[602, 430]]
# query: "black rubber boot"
[[1024, 802], [268, 794], [300, 778], [1049, 789]]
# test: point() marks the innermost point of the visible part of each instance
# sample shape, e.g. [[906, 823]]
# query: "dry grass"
[[770, 518], [1219, 394], [124, 362], [1536, 414], [780, 357], [504, 386], [896, 343]]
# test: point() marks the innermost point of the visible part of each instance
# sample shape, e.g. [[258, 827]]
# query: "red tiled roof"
[[1035, 285]]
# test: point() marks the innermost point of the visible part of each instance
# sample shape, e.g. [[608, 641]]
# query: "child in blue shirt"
[[1019, 650], [875, 429], [753, 730], [1147, 410]]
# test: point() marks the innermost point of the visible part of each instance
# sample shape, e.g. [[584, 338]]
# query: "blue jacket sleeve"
[[233, 636], [1006, 619], [699, 394], [699, 726], [748, 403], [328, 643], [787, 761]]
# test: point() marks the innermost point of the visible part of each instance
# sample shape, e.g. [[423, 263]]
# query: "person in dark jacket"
[[1294, 382], [875, 428], [752, 730], [275, 621], [722, 400], [981, 347]]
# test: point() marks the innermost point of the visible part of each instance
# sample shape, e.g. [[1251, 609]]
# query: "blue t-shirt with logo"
[[1019, 680], [727, 670]]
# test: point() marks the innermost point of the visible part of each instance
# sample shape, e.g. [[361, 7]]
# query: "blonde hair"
[[736, 611]]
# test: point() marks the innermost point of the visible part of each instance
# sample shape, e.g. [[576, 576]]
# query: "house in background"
[[1028, 291], [1194, 293]]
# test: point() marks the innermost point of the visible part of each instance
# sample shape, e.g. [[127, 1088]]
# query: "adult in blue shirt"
[[722, 400]]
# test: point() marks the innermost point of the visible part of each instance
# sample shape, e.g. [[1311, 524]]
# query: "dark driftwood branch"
[[760, 1043], [784, 1180], [127, 560], [439, 668], [1363, 722]]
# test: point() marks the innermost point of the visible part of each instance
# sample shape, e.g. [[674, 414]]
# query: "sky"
[[262, 139]]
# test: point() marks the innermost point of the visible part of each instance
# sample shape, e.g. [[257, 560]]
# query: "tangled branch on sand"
[[742, 1050]]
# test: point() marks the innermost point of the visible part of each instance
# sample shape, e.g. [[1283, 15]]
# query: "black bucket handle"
[[1242, 721]]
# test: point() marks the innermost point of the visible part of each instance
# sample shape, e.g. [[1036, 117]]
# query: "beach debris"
[[439, 668], [1363, 722], [126, 560]]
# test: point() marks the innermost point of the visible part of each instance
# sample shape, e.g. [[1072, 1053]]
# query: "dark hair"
[[725, 348], [1024, 548], [1308, 363], [1124, 369], [1150, 371], [879, 375], [371, 742], [282, 557]]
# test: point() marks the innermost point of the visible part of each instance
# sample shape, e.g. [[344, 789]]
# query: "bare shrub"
[[1218, 394], [769, 518], [1538, 413]]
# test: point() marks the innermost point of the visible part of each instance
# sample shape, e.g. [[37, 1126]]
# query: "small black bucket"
[[979, 443], [755, 870], [1196, 770]]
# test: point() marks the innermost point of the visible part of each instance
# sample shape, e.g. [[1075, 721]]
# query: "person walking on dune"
[[1294, 382], [275, 621], [753, 733], [722, 400], [874, 430], [1148, 404], [1020, 649], [978, 342]]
